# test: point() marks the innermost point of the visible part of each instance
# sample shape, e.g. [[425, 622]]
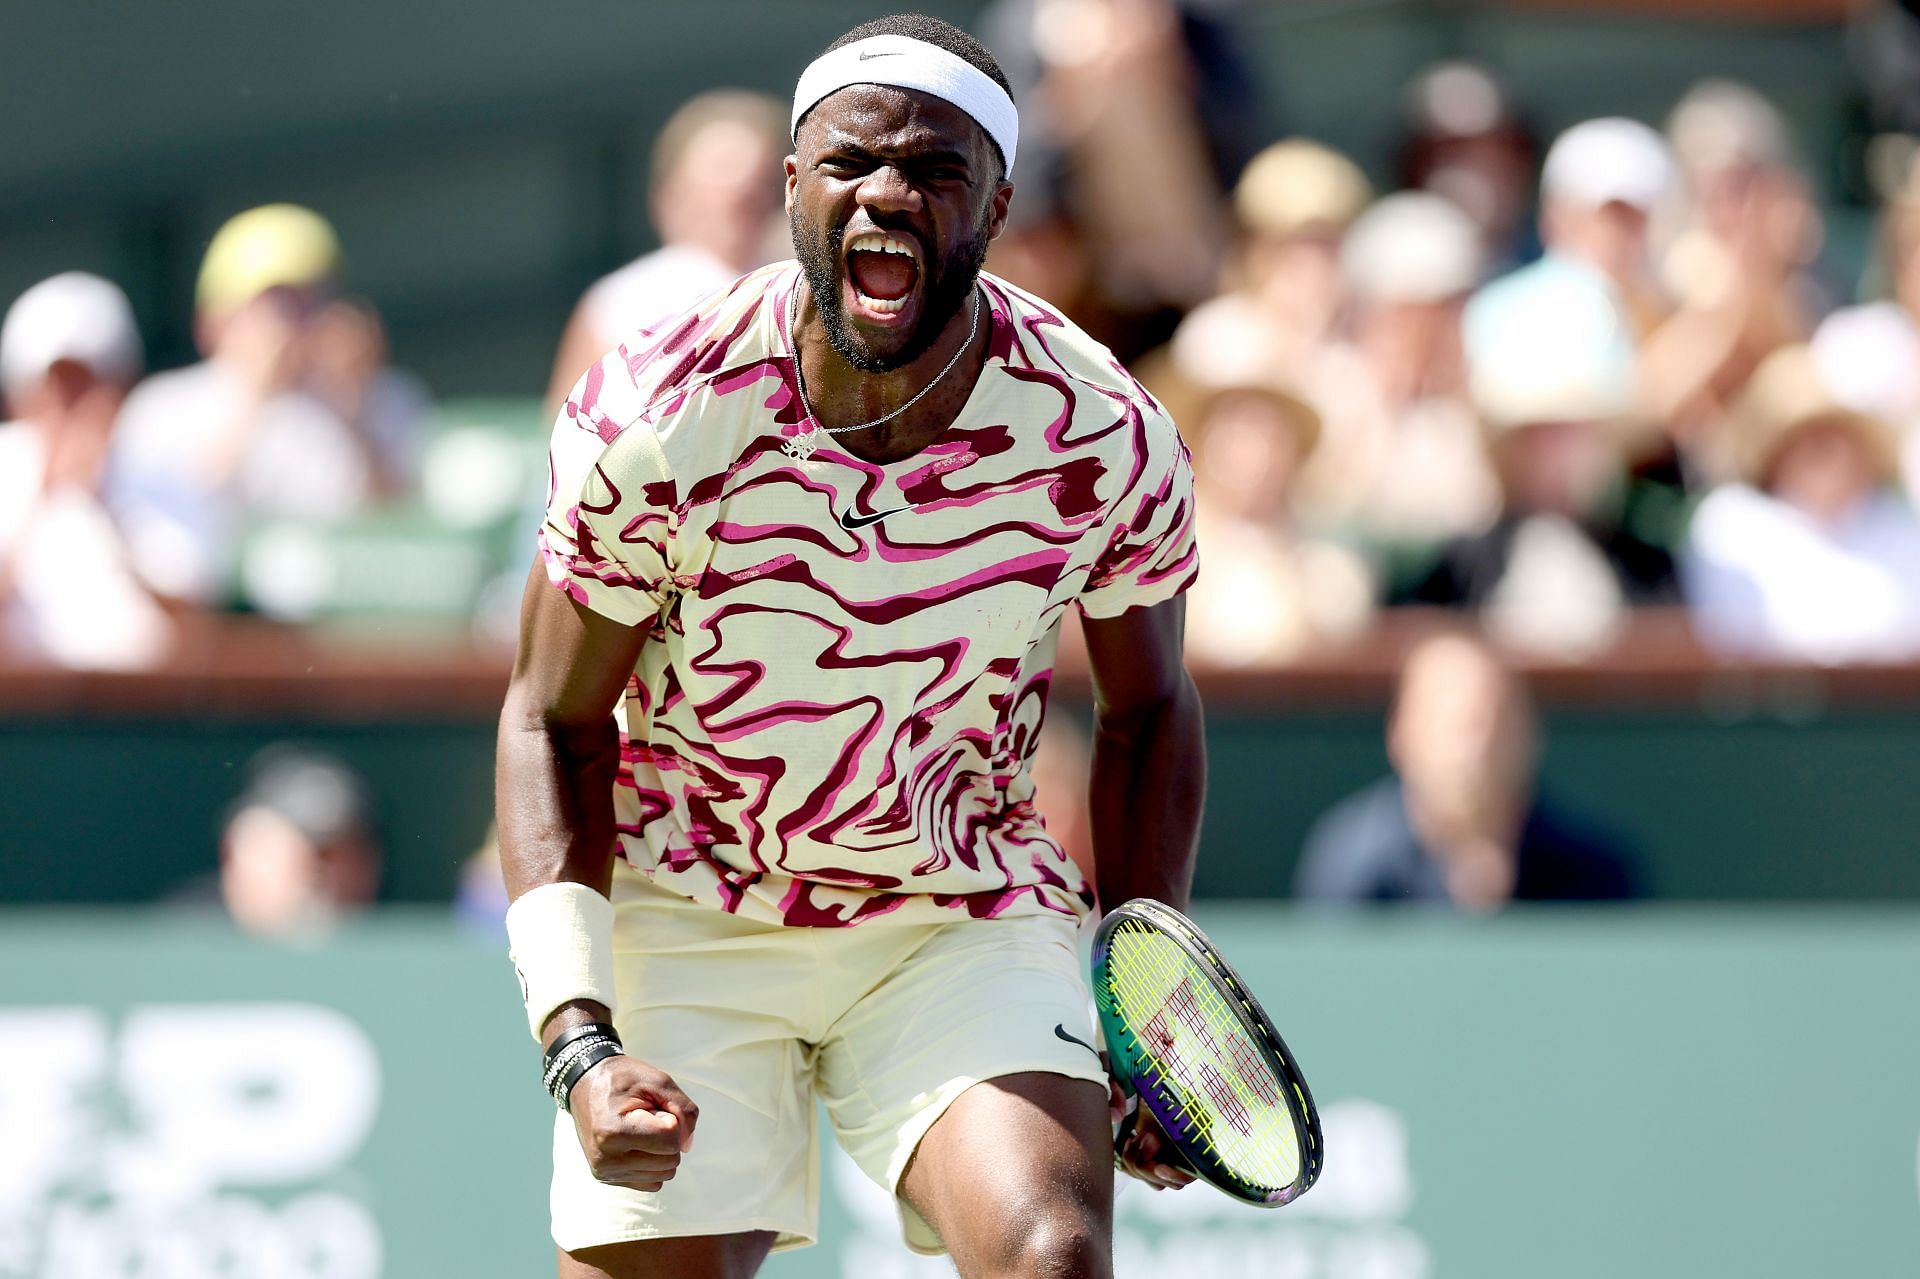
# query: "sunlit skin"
[[1558, 468], [870, 158], [1613, 237], [1825, 470], [1248, 454]]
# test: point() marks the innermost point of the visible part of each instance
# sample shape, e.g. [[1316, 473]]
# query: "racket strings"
[[1224, 1093]]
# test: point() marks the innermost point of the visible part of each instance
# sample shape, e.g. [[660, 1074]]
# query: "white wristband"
[[560, 938]]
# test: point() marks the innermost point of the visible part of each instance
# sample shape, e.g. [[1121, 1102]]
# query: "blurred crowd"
[[1539, 381]]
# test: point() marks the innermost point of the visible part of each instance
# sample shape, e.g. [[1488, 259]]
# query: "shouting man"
[[764, 794]]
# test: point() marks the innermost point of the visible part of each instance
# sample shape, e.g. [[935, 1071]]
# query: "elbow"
[[1169, 704]]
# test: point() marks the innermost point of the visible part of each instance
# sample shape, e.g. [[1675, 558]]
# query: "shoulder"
[[1048, 343], [1569, 855], [168, 408], [658, 368], [1374, 811], [654, 286], [1732, 522], [162, 390], [1358, 848]]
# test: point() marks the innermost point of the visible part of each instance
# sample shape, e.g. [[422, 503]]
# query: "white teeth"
[[880, 242]]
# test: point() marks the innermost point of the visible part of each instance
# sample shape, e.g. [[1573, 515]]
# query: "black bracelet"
[[587, 1061], [566, 1037], [570, 1054]]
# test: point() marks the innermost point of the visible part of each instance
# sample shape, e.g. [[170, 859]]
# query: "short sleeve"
[[606, 539], [1150, 556]]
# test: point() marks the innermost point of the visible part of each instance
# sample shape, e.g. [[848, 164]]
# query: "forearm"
[[1149, 785], [553, 800], [554, 815]]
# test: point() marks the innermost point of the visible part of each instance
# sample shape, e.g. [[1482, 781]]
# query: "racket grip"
[[1170, 1155]]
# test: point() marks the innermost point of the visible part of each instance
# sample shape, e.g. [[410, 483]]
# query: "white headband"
[[906, 63]]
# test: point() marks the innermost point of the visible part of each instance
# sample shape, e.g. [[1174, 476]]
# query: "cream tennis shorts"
[[886, 1024]]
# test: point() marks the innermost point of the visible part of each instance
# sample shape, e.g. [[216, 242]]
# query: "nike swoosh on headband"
[[853, 523], [869, 55], [1060, 1030]]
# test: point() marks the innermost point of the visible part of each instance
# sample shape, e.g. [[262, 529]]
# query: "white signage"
[[184, 1143]]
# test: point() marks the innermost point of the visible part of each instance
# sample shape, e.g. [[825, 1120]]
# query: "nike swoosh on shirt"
[[1060, 1030], [853, 523]]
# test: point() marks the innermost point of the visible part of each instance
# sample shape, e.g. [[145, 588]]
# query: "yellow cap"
[[273, 246]]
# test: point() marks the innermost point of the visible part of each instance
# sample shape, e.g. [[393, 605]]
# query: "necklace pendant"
[[800, 447]]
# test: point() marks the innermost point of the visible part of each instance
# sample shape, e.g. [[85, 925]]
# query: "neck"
[[840, 395]]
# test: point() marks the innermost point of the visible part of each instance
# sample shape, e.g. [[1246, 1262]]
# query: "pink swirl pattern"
[[847, 663]]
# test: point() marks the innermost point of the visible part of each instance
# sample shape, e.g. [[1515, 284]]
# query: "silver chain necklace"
[[801, 447]]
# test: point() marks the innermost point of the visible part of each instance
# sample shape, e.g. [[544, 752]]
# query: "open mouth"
[[884, 271]]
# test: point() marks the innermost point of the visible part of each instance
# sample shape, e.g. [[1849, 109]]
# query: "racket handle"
[[1170, 1155]]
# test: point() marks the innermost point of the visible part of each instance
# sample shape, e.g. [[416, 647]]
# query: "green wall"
[[1748, 807], [1659, 1093]]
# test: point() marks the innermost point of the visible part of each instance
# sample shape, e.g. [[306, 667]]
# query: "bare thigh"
[[1017, 1179], [696, 1257]]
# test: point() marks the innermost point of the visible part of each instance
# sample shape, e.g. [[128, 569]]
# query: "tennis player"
[[764, 795]]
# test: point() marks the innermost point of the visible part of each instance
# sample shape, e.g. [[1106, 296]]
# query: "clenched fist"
[[633, 1122]]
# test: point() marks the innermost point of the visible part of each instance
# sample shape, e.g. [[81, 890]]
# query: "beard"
[[947, 285]]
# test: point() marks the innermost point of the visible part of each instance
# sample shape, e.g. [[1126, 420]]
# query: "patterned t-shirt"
[[847, 663]]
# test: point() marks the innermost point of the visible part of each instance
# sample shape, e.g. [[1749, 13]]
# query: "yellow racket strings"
[[1220, 1081]]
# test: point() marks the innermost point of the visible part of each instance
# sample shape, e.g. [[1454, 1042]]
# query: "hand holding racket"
[[1187, 1038]]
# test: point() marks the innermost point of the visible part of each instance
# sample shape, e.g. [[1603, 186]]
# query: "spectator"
[[1738, 268], [1603, 183], [1109, 90], [1812, 557], [69, 351], [1463, 822], [1464, 140], [1400, 462], [1272, 590], [1869, 356], [1288, 297], [1552, 375], [291, 415], [298, 853], [715, 202]]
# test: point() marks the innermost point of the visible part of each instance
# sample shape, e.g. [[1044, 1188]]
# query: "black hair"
[[934, 31]]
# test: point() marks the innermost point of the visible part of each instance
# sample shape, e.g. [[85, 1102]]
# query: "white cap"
[[1412, 247], [1609, 160], [1865, 355], [74, 316], [1548, 343]]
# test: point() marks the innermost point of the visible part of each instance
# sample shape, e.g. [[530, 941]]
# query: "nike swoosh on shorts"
[[1060, 1029]]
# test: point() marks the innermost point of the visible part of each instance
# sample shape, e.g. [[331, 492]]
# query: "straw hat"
[[1296, 186], [1786, 395]]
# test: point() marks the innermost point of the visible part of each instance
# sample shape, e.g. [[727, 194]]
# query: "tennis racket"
[[1187, 1039]]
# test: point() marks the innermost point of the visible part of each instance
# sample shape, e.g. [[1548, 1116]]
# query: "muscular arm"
[[553, 784], [1149, 756], [558, 752]]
